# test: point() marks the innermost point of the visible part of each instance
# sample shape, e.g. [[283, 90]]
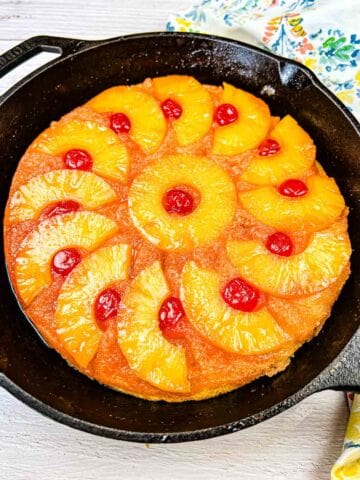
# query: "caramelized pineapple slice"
[[108, 153], [296, 156], [80, 229], [196, 103], [310, 271], [248, 130], [148, 125], [302, 316], [74, 317], [149, 354], [86, 188], [171, 232], [247, 333], [317, 209]]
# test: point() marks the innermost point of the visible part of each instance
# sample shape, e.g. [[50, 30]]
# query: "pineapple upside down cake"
[[175, 241]]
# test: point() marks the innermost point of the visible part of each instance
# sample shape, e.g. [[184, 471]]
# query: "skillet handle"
[[27, 49], [344, 372]]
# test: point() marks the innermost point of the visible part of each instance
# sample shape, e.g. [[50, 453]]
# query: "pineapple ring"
[[316, 210], [196, 103], [295, 158], [148, 353], [215, 211], [87, 188], [80, 229], [245, 333], [109, 154], [248, 130], [74, 316], [148, 125], [310, 271]]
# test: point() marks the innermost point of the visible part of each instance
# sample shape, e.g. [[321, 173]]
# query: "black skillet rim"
[[315, 385]]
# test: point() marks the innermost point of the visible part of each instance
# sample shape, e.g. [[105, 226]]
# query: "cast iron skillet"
[[37, 375]]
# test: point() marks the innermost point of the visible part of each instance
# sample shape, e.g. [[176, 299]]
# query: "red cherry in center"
[[178, 201], [171, 109], [59, 208], [293, 188], [120, 123], [170, 313], [268, 148], [65, 260], [239, 295], [106, 305], [280, 244], [77, 159], [226, 114]]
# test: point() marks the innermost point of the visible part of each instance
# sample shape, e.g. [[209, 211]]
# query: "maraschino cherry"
[[106, 306], [178, 201], [120, 123], [77, 159], [59, 208], [239, 295], [171, 109], [280, 244], [226, 114], [171, 312], [268, 148], [293, 188], [65, 260]]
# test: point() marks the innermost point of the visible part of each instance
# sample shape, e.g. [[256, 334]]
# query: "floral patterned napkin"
[[324, 36]]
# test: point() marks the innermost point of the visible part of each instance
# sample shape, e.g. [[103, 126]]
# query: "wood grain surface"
[[300, 444]]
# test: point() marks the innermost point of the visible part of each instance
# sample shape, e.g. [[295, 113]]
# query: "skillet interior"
[[47, 382]]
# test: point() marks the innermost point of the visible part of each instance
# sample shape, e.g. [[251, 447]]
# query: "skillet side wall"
[[68, 83]]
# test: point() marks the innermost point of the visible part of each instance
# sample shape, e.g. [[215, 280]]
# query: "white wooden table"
[[299, 444]]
